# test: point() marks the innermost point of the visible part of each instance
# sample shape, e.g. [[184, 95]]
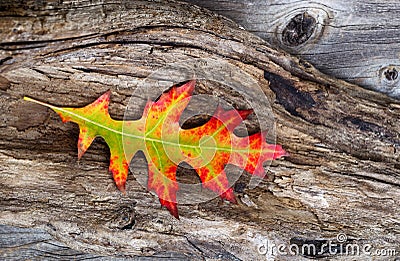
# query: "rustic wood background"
[[342, 175]]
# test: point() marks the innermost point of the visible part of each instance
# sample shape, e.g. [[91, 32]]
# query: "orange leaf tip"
[[171, 206]]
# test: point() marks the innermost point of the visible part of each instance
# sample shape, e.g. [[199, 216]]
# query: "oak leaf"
[[207, 148]]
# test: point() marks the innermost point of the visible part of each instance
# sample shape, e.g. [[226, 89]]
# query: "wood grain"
[[357, 41], [342, 175]]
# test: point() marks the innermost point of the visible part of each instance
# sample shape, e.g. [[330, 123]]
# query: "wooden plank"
[[358, 41]]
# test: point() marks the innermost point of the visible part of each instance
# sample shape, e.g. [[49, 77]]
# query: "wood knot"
[[124, 219], [391, 74], [300, 28], [390, 80]]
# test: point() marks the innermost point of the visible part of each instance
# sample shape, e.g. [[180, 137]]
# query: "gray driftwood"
[[342, 175], [353, 40]]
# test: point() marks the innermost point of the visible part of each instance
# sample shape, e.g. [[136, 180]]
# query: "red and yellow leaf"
[[207, 148]]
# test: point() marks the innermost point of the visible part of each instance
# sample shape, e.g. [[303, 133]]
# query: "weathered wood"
[[342, 174], [33, 243], [357, 41]]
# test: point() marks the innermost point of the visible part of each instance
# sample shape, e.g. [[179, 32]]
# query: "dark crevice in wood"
[[160, 43], [42, 43], [4, 60], [147, 28], [287, 95]]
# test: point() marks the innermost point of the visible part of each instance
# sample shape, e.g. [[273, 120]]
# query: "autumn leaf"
[[207, 148]]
